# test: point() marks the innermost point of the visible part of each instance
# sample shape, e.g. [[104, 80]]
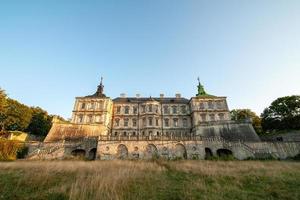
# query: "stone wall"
[[91, 149]]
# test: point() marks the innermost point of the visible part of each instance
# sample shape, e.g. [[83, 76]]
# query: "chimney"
[[178, 95], [123, 95], [161, 96], [138, 95]]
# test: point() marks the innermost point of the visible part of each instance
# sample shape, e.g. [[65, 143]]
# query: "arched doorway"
[[224, 153], [208, 153], [122, 152], [78, 153], [180, 151], [151, 151], [92, 154]]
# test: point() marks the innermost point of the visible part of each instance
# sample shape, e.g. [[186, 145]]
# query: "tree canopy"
[[15, 116], [282, 114], [243, 114]]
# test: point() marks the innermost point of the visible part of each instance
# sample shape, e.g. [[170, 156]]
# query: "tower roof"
[[100, 90]]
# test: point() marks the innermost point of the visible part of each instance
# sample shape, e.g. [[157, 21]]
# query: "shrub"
[[9, 150]]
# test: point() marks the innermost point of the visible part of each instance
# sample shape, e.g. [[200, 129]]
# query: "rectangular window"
[[175, 122], [126, 109], [203, 117], [185, 122], [202, 106], [144, 121], [119, 109], [150, 108], [143, 109], [157, 122], [134, 110], [166, 122], [83, 106], [183, 109], [117, 122], [80, 118], [150, 121], [134, 122], [212, 117], [166, 109], [174, 109], [210, 105], [126, 122]]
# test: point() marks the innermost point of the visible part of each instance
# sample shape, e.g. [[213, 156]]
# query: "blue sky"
[[52, 51]]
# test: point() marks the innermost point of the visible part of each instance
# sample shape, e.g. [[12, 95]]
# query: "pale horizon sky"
[[53, 51]]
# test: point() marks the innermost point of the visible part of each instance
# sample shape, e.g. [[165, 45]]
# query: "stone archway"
[[122, 152], [92, 154], [151, 151], [224, 152], [180, 151], [208, 153], [78, 153]]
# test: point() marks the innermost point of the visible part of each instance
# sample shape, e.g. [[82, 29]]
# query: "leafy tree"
[[40, 122], [17, 117], [3, 108], [282, 114], [243, 114]]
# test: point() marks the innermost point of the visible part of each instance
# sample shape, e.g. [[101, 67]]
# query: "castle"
[[144, 127]]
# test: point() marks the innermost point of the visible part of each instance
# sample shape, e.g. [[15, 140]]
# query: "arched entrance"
[[92, 154], [78, 153], [151, 151], [180, 151], [208, 153], [224, 153], [122, 152]]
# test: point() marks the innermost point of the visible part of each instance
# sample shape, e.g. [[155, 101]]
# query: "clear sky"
[[52, 51]]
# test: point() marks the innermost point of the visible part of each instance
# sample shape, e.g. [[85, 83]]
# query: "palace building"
[[150, 127], [204, 115]]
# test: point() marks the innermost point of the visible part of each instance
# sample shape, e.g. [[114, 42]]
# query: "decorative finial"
[[199, 81]]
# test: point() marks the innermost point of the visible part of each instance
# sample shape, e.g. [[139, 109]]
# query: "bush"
[[9, 150]]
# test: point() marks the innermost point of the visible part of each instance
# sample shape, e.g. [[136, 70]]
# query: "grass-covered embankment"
[[150, 180]]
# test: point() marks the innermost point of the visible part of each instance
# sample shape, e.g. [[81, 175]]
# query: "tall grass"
[[149, 180]]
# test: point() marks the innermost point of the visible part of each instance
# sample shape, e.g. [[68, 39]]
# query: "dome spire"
[[100, 89]]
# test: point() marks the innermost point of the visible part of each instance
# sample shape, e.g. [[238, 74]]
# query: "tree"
[[40, 123], [243, 114], [282, 114], [3, 109], [17, 116]]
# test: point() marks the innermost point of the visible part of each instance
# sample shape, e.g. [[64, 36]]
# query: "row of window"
[[90, 106], [151, 122], [212, 117], [152, 108], [212, 105], [88, 119], [148, 133]]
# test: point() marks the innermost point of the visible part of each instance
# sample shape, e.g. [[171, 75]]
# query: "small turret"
[[100, 90]]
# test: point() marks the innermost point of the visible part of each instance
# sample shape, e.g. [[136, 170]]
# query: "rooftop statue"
[[201, 91]]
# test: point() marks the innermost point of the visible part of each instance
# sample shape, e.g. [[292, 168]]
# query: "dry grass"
[[149, 180]]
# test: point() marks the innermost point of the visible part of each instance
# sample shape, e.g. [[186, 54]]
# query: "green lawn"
[[150, 180]]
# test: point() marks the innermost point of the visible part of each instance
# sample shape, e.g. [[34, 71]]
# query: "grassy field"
[[150, 180]]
